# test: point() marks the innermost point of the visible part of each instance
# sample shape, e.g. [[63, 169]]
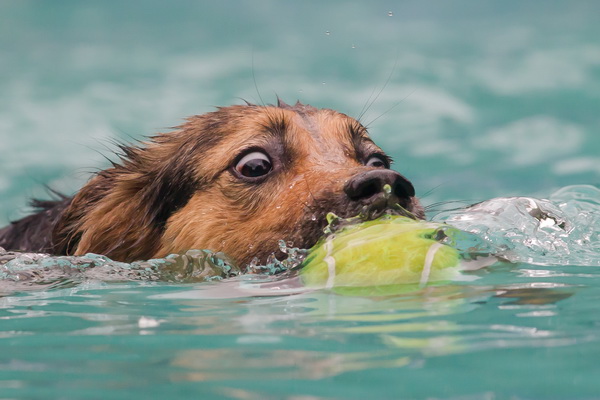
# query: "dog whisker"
[[430, 191], [254, 79], [391, 108], [309, 191], [370, 103]]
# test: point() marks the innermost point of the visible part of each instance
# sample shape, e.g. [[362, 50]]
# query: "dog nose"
[[368, 186]]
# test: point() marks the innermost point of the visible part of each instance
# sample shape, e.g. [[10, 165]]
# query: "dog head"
[[236, 180]]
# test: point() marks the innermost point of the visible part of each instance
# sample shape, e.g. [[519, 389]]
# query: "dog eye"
[[377, 161], [254, 164]]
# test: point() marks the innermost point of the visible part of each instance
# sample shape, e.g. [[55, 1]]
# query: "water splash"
[[20, 271], [274, 266], [562, 230]]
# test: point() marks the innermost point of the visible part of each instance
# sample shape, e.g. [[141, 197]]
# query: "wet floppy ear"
[[123, 211], [168, 187]]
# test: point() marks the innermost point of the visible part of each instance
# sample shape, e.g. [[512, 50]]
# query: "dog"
[[237, 180]]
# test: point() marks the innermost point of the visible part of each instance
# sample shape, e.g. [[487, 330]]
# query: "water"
[[484, 101], [564, 230]]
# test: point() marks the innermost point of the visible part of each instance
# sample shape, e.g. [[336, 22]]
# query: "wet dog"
[[235, 180]]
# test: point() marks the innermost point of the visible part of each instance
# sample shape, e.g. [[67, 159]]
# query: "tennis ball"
[[391, 250]]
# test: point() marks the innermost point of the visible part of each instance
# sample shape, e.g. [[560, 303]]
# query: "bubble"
[[327, 33], [390, 14], [282, 246]]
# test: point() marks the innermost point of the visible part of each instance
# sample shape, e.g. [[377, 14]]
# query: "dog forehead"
[[327, 134], [324, 134], [302, 122]]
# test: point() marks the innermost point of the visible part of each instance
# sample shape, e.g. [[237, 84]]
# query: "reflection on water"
[[253, 364], [144, 334]]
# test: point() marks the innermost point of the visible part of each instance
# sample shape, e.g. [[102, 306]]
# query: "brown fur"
[[177, 191]]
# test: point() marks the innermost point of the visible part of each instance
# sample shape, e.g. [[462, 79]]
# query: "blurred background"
[[473, 99]]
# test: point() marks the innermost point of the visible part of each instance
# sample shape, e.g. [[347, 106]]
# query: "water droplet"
[[390, 14], [282, 246], [323, 83], [252, 268], [387, 189], [353, 46], [271, 261], [327, 33]]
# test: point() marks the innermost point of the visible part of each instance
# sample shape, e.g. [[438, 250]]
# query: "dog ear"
[[122, 211]]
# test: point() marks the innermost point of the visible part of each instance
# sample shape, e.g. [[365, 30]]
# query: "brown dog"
[[235, 180]]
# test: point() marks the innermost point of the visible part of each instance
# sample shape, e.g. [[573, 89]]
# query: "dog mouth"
[[311, 229], [387, 203]]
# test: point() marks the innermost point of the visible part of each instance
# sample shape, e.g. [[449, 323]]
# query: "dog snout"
[[367, 187]]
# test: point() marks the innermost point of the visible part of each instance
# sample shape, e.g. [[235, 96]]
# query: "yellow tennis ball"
[[391, 250]]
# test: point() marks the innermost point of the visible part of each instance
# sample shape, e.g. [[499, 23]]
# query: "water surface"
[[482, 100]]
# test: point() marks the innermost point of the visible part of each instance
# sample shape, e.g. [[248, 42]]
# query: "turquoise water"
[[479, 100]]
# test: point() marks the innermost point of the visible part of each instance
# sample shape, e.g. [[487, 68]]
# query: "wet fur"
[[177, 192]]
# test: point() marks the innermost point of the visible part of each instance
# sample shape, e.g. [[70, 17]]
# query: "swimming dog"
[[236, 180]]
